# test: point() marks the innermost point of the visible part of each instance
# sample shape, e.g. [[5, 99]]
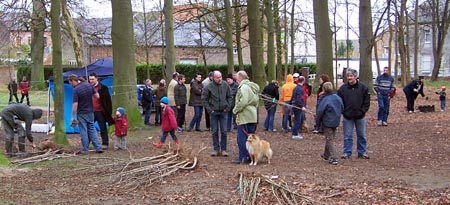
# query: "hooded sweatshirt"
[[287, 89], [246, 102]]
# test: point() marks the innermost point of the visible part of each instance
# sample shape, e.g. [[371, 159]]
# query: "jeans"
[[298, 121], [120, 143], [268, 123], [198, 112], [101, 121], [286, 116], [164, 135], [383, 107], [231, 120], [148, 112], [361, 140], [88, 132], [181, 115], [330, 136], [242, 133], [443, 105], [219, 119], [207, 119], [158, 114]]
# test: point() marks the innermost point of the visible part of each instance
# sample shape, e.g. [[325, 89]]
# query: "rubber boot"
[[177, 141], [158, 144], [22, 144], [8, 146]]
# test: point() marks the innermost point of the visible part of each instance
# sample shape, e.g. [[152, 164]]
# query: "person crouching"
[[168, 123], [121, 124]]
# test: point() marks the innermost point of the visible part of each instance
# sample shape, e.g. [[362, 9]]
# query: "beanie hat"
[[165, 100], [37, 113], [121, 110]]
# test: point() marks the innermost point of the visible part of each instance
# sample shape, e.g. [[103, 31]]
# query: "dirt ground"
[[409, 164]]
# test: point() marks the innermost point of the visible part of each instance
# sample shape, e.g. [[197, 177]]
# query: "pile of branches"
[[41, 156], [251, 187], [134, 173]]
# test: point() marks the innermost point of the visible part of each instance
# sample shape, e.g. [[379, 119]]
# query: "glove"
[[74, 123]]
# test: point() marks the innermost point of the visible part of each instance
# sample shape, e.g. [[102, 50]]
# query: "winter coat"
[[246, 103], [180, 94], [329, 110], [12, 87], [287, 89], [171, 92], [168, 120], [159, 93], [234, 88], [298, 98], [271, 92], [442, 95], [24, 87], [147, 97], [384, 84], [414, 88], [105, 101], [23, 113], [195, 98], [217, 97], [121, 124], [356, 99]]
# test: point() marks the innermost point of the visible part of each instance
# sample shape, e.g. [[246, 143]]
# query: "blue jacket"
[[298, 99], [384, 84], [329, 109]]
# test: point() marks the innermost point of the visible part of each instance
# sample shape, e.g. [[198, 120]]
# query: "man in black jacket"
[[271, 96], [12, 87], [102, 108], [356, 98], [147, 101]]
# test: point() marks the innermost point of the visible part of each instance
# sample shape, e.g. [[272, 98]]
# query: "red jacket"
[[168, 121], [24, 87], [121, 124]]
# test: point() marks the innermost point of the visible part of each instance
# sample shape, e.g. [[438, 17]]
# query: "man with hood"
[[384, 86], [216, 98], [21, 113], [286, 95], [245, 110]]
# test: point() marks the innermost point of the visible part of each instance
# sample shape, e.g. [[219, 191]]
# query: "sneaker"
[[224, 153], [180, 129], [315, 131], [99, 151], [384, 123], [199, 130], [297, 137], [410, 111], [285, 130], [363, 156], [104, 146], [158, 144], [214, 153], [333, 162], [177, 142], [379, 122], [345, 156], [274, 130]]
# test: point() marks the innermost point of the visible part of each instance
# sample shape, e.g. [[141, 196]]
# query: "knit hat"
[[121, 110], [37, 113], [165, 100]]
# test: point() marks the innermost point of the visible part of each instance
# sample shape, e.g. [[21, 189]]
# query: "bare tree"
[[268, 10], [238, 28], [229, 36], [440, 20], [323, 38], [73, 33], [37, 44], [401, 43], [169, 53], [256, 42], [279, 44], [366, 42]]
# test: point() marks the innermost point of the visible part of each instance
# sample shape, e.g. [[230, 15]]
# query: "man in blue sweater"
[[384, 86]]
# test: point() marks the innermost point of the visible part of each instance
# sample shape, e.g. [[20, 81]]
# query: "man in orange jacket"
[[286, 95]]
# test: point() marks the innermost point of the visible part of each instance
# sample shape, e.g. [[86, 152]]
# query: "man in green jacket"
[[216, 98], [245, 110]]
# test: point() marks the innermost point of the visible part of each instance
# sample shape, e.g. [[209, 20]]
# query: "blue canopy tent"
[[102, 67]]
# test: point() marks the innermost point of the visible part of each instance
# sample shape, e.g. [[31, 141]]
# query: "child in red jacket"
[[168, 123], [121, 124]]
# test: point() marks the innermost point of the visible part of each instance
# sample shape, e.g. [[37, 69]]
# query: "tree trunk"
[[229, 36], [401, 43], [416, 39], [391, 35], [256, 42], [169, 53], [268, 10], [73, 33], [237, 24], [440, 25], [279, 45], [60, 129], [122, 34], [37, 45], [323, 38], [285, 42], [366, 43], [292, 35]]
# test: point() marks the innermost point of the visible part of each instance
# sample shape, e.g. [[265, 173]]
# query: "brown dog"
[[258, 148]]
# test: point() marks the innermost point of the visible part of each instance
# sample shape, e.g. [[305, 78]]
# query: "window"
[[192, 61], [426, 65], [427, 36], [72, 62]]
